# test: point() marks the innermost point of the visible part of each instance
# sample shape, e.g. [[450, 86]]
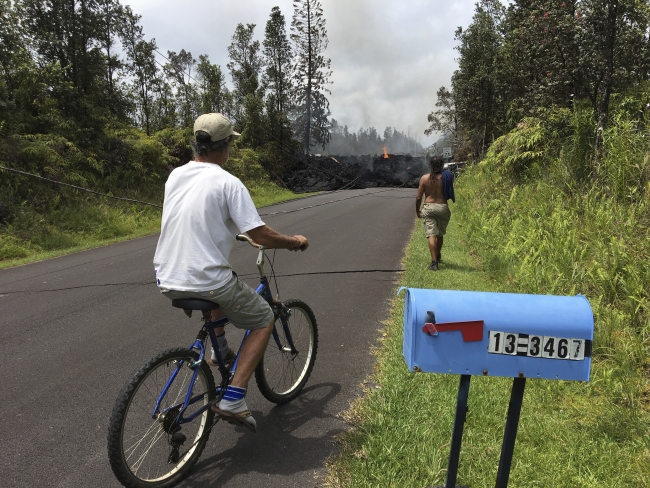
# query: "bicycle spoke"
[[136, 466], [132, 449], [144, 446]]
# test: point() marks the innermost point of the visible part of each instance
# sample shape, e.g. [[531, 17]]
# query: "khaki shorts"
[[244, 308], [436, 217]]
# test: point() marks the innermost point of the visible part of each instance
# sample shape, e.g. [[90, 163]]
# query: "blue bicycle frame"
[[264, 290]]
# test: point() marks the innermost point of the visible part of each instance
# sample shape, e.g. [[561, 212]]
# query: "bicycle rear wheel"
[[145, 451], [281, 375]]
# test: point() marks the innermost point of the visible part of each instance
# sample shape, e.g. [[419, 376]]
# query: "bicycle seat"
[[194, 304]]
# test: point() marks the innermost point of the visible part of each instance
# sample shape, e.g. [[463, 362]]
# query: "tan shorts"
[[244, 308], [436, 217]]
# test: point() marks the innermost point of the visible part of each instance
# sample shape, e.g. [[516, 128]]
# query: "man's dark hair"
[[436, 163], [202, 145]]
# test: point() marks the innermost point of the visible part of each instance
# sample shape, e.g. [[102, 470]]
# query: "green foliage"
[[552, 235], [476, 98], [277, 58], [570, 433], [625, 168], [67, 226], [517, 62], [519, 151], [215, 96], [83, 101], [539, 226]]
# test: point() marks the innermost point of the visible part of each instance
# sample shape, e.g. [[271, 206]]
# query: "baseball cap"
[[216, 125]]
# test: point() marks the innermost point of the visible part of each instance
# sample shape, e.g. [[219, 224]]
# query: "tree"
[[444, 119], [245, 66], [142, 65], [111, 16], [179, 70], [213, 91], [164, 113], [11, 47], [474, 84], [67, 33], [278, 85], [558, 52], [278, 56], [311, 73]]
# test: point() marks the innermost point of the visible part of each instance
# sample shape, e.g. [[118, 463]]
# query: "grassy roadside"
[[93, 222], [571, 434]]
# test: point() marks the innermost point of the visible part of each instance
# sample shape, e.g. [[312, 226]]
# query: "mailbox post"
[[496, 334]]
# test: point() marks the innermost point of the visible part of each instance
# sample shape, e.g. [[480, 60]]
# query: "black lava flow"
[[326, 173]]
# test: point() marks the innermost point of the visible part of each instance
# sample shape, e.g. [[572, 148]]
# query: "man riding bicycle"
[[204, 209]]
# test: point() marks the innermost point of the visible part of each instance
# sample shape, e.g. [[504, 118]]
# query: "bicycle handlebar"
[[245, 238]]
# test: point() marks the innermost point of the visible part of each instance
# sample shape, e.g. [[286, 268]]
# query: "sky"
[[388, 57]]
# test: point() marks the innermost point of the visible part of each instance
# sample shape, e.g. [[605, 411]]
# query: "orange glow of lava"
[[385, 153]]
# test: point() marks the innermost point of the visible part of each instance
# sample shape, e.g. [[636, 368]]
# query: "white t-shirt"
[[203, 210]]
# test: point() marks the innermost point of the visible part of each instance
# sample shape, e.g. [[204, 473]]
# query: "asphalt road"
[[73, 329]]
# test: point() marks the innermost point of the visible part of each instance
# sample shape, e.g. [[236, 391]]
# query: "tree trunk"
[[608, 69], [309, 76]]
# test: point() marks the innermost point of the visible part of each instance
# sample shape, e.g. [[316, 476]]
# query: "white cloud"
[[388, 58]]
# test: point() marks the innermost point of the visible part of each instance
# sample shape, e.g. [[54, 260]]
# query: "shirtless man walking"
[[437, 187]]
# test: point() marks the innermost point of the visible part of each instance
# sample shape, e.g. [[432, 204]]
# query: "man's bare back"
[[431, 188]]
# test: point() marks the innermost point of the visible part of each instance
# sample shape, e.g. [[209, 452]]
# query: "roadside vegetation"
[[62, 220], [550, 107], [100, 107], [535, 216]]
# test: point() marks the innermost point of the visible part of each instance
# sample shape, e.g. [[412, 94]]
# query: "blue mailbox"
[[496, 334]]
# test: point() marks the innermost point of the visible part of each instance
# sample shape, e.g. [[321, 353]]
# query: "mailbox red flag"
[[472, 330]]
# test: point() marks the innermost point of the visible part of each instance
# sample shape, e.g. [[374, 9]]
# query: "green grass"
[[571, 434], [90, 222]]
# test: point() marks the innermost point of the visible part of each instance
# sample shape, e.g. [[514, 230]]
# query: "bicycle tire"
[[277, 376], [141, 460]]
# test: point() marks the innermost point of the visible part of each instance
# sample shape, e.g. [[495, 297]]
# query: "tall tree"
[[142, 66], [311, 73], [474, 84], [444, 119], [111, 16], [214, 92], [66, 35], [555, 52], [278, 56], [164, 112], [278, 84], [11, 47], [245, 68], [179, 70]]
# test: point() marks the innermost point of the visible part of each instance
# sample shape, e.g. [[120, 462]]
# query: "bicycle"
[[162, 419]]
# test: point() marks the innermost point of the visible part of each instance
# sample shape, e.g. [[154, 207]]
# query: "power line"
[[321, 204], [80, 187], [150, 282], [160, 206], [188, 75]]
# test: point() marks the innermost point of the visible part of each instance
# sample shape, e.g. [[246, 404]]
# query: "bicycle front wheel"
[[147, 448], [281, 373]]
